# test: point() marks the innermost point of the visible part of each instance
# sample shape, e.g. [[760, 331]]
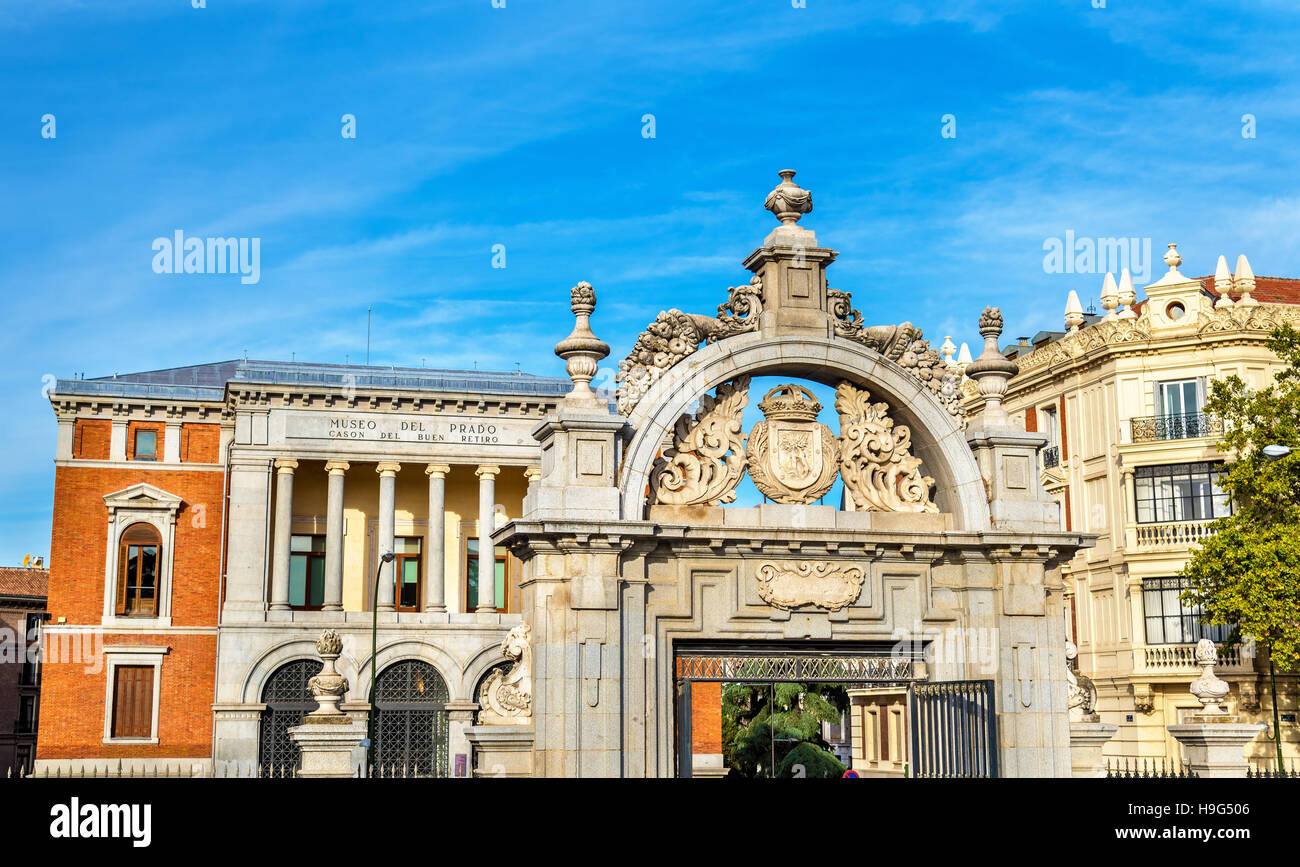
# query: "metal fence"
[[1270, 770], [117, 770], [1147, 769], [954, 729]]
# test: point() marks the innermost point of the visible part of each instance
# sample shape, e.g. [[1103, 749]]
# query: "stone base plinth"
[[1087, 737], [708, 765], [1216, 745], [502, 751], [328, 744]]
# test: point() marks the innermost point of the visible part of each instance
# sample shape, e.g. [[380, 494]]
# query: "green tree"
[[774, 729], [1247, 574]]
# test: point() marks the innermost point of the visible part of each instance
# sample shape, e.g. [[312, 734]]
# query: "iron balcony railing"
[[1172, 535], [1154, 428], [1051, 457]]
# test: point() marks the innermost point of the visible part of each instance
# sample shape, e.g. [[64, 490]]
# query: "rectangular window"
[[1180, 492], [133, 701], [307, 572], [26, 714], [406, 571], [471, 576], [24, 758], [146, 445], [32, 638], [1168, 621], [1178, 397]]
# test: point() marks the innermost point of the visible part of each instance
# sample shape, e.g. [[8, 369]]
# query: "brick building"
[[22, 611]]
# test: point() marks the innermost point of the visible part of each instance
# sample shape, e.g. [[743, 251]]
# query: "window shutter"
[[133, 702], [1201, 393], [122, 579], [1156, 402], [1031, 420]]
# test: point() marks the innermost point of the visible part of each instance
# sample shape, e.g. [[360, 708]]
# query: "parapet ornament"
[[819, 583], [674, 335], [902, 344], [507, 696], [707, 459], [329, 686], [792, 457], [879, 471]]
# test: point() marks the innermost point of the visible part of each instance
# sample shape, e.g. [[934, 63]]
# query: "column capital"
[[437, 471], [388, 468], [286, 466], [532, 474], [487, 471], [1127, 471], [337, 467]]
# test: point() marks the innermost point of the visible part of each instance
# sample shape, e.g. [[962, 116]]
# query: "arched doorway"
[[287, 701], [411, 721]]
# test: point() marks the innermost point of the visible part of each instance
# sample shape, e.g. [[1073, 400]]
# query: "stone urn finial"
[[788, 201], [329, 686], [1172, 257], [1209, 688], [992, 370], [582, 350]]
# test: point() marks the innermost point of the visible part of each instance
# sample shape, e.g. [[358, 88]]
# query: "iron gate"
[[954, 729]]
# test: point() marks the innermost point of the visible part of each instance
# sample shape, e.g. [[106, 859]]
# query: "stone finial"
[[964, 357], [582, 350], [1244, 280], [947, 351], [992, 370], [1173, 259], [1127, 295], [1223, 283], [329, 686], [1109, 296], [1209, 688], [1073, 311], [788, 200]]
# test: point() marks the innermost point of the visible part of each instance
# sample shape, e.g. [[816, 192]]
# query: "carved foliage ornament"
[[879, 471], [507, 696], [821, 584], [792, 457], [674, 335], [707, 459]]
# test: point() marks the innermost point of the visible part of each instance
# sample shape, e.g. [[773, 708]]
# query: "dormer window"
[[146, 445]]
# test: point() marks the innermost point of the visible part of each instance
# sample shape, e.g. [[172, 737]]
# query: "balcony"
[[1180, 659], [1051, 457], [1178, 534], [1155, 428]]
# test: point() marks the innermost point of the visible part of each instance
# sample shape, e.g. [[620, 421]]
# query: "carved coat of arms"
[[792, 457]]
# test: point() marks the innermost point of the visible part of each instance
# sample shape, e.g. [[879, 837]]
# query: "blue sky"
[[521, 126]]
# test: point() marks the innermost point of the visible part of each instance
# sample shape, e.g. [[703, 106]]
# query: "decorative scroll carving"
[[903, 344], [507, 697], [329, 686], [674, 335], [707, 460], [879, 471], [792, 457], [809, 582]]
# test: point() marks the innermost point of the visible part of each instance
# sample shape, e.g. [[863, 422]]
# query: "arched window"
[[410, 721], [139, 554], [287, 701]]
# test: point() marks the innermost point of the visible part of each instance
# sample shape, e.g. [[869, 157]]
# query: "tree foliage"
[[1247, 574], [778, 725]]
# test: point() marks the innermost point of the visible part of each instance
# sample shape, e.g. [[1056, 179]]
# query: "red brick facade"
[[90, 439], [201, 443]]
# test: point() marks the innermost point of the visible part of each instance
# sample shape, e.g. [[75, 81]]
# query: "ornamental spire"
[[582, 350], [1223, 283]]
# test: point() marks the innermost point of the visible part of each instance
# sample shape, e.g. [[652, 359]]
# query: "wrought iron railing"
[[1051, 457], [1153, 428], [1166, 657], [1147, 769], [1171, 534], [954, 729]]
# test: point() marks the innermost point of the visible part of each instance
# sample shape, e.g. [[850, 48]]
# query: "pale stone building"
[[1132, 458]]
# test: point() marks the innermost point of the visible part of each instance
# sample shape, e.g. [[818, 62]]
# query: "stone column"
[[283, 530], [117, 440], [334, 536], [387, 505], [172, 442], [487, 569], [436, 539]]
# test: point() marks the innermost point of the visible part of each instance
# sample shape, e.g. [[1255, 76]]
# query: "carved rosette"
[[792, 458], [816, 583], [329, 686], [507, 696], [879, 471], [707, 460], [674, 335]]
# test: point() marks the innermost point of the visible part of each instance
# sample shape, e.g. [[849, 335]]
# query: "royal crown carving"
[[707, 459], [507, 696], [879, 471], [817, 583], [792, 457]]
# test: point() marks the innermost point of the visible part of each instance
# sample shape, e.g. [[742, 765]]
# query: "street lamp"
[[386, 557], [1276, 452]]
